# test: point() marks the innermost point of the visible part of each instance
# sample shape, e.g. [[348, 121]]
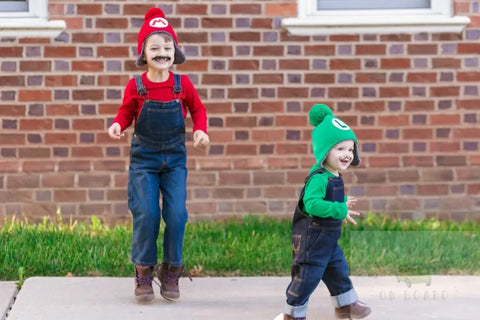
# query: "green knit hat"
[[329, 131]]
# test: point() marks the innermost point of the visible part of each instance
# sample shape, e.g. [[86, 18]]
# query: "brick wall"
[[412, 99]]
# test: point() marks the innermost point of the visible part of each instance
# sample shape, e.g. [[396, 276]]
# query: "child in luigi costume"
[[158, 101], [317, 221]]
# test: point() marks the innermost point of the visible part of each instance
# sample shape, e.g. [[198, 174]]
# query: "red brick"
[[13, 52], [370, 106], [268, 78], [38, 166], [382, 190], [243, 93], [88, 37], [12, 138], [217, 51], [345, 64], [445, 119], [344, 92], [7, 110], [319, 78], [418, 161], [87, 152], [112, 80], [283, 163], [294, 64], [74, 165], [136, 9], [192, 9], [416, 134], [319, 50], [292, 92], [35, 66], [383, 162], [262, 23], [70, 195], [87, 65], [34, 152], [422, 49], [9, 166], [371, 77], [396, 37], [90, 95], [110, 165], [217, 79], [58, 180], [268, 51], [23, 182], [450, 63], [467, 104], [12, 81], [240, 121], [344, 38], [290, 121], [189, 37], [62, 110], [468, 48], [36, 124], [248, 9], [216, 23], [421, 77], [193, 65], [468, 76], [419, 105], [466, 133], [241, 149], [267, 107], [292, 148], [393, 120], [395, 63], [60, 52], [446, 160], [451, 91], [442, 147], [245, 36], [61, 81], [94, 180], [281, 9], [393, 147], [391, 92], [111, 23], [89, 9], [243, 64], [61, 138], [116, 52], [370, 49]]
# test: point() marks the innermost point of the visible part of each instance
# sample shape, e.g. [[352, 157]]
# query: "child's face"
[[159, 51], [339, 157]]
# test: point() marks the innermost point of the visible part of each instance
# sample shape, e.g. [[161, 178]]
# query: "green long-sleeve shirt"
[[315, 191]]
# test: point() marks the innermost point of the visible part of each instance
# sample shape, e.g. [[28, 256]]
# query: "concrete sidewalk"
[[435, 297]]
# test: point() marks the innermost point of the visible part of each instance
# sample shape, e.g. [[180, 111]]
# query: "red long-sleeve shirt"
[[161, 91]]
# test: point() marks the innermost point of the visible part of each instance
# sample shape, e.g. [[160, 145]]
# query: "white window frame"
[[311, 21], [33, 23]]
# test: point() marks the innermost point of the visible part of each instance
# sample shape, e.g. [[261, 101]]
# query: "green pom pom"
[[318, 113]]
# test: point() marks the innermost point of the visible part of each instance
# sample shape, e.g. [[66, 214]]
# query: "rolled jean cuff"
[[345, 298], [296, 311]]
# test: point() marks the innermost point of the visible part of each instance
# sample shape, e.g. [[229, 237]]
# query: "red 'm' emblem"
[[158, 23]]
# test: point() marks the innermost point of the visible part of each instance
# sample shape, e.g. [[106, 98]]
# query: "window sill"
[[348, 24], [30, 27]]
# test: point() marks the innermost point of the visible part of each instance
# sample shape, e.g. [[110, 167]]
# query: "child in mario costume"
[[317, 222], [158, 101]]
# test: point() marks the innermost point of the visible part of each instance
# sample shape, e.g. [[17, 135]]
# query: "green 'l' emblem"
[[340, 124]]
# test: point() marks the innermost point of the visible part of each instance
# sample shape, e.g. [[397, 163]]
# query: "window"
[[374, 16], [27, 18]]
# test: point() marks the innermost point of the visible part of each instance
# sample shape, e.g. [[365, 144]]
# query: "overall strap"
[[140, 87], [177, 84], [321, 170]]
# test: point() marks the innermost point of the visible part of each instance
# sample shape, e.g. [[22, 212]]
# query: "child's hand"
[[115, 131], [349, 216], [200, 138], [351, 202]]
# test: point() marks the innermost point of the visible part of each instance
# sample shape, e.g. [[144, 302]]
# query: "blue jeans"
[[317, 256], [150, 173]]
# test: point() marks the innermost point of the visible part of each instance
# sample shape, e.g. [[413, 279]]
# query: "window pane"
[[372, 4], [13, 5]]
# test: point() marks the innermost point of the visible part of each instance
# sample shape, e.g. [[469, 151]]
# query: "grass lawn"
[[250, 246]]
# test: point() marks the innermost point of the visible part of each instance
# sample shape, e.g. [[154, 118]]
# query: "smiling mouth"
[[161, 58]]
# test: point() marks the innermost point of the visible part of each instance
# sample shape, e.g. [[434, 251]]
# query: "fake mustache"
[[157, 58]]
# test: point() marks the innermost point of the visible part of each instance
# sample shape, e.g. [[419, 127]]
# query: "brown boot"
[[357, 310], [143, 283], [168, 276], [289, 317]]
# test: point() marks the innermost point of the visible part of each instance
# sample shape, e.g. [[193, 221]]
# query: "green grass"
[[250, 246]]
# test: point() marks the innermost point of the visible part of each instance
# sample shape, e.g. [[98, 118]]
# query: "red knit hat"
[[155, 22]]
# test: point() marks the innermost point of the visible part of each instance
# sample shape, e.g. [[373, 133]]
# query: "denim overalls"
[[158, 163], [317, 255]]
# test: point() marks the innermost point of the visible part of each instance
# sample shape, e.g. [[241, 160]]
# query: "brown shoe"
[[357, 310], [143, 283], [168, 276], [289, 317]]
